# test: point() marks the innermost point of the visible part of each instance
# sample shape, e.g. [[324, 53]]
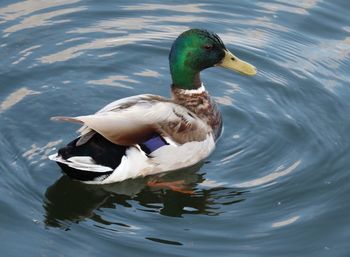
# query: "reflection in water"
[[25, 8], [162, 241], [271, 177], [297, 7], [24, 54], [285, 137], [43, 19], [151, 25], [43, 152], [186, 8], [148, 73], [170, 194], [285, 222], [16, 97], [114, 80], [130, 38]]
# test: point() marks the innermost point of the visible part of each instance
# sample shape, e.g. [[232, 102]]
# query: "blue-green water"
[[278, 182]]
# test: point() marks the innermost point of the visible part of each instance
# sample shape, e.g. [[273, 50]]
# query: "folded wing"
[[134, 120]]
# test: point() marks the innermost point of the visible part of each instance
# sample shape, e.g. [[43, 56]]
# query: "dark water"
[[278, 182]]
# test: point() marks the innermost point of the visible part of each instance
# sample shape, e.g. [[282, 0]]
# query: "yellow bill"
[[233, 63]]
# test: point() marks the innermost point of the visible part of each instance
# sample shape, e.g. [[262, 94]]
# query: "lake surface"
[[278, 183]]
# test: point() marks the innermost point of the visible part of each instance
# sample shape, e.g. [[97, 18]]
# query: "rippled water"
[[278, 182]]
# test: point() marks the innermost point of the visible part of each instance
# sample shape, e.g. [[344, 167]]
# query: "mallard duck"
[[148, 134]]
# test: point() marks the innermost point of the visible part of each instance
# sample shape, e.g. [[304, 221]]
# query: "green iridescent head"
[[195, 50]]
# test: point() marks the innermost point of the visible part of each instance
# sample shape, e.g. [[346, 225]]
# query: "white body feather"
[[169, 157], [135, 163]]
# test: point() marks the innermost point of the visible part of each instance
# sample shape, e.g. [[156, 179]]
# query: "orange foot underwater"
[[177, 186]]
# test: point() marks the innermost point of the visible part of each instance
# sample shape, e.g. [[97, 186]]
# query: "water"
[[278, 182]]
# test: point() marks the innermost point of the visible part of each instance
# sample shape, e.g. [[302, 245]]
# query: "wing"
[[134, 120], [86, 133]]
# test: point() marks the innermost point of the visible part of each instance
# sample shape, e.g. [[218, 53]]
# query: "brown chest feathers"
[[202, 105]]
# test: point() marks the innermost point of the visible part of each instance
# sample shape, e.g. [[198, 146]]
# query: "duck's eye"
[[208, 47]]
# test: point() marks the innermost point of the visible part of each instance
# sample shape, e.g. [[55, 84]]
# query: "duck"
[[148, 134]]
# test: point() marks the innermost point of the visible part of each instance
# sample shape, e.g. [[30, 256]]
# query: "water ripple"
[[277, 179]]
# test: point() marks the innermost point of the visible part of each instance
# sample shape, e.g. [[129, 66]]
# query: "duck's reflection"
[[171, 194]]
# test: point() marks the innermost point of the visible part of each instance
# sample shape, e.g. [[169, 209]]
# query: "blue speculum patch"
[[153, 144]]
